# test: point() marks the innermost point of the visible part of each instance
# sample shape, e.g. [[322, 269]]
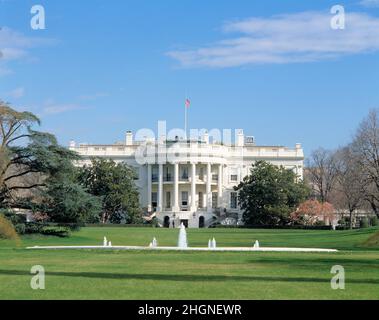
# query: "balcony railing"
[[184, 178], [167, 178]]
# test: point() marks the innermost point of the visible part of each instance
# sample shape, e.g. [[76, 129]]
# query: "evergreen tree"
[[269, 194]]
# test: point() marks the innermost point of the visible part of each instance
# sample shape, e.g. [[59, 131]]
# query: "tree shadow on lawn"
[[318, 261], [183, 277]]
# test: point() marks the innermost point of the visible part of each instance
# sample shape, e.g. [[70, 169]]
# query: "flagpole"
[[185, 121], [185, 115]]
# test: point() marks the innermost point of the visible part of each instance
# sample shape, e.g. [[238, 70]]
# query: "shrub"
[[33, 227], [20, 228], [7, 230], [364, 223], [374, 221], [344, 224], [62, 232], [71, 226], [13, 217]]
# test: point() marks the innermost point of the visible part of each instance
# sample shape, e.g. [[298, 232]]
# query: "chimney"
[[240, 138], [129, 138], [298, 146], [206, 137], [72, 144]]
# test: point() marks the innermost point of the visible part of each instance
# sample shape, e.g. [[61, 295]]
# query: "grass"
[[193, 275]]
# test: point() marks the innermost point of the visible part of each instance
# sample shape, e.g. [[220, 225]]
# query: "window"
[[168, 200], [201, 173], [154, 174], [135, 173], [214, 177], [214, 200], [234, 177], [167, 174], [185, 173], [201, 200], [154, 199], [233, 200], [184, 198], [234, 173]]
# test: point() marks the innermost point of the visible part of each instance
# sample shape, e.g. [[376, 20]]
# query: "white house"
[[191, 181]]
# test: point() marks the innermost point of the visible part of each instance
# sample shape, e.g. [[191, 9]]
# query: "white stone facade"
[[192, 181]]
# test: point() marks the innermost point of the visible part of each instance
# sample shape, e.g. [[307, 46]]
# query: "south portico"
[[186, 192]]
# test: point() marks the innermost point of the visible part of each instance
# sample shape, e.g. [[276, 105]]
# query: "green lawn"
[[193, 275]]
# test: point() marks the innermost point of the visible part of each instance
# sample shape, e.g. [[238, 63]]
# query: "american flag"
[[188, 103]]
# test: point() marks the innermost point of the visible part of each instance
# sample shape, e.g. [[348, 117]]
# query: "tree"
[[114, 184], [366, 148], [16, 127], [7, 230], [321, 169], [37, 173], [269, 194], [351, 180], [68, 202], [313, 211]]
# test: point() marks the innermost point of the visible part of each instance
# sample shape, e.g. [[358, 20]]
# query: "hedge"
[[62, 232], [108, 225], [275, 227]]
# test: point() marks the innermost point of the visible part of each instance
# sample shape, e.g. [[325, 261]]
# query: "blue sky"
[[274, 68]]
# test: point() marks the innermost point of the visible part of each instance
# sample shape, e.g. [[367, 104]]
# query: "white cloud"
[[369, 3], [52, 108], [94, 96], [4, 71], [16, 46], [16, 93], [288, 38]]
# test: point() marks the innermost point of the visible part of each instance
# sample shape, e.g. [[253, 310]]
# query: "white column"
[[149, 188], [219, 189], [160, 189], [209, 188], [175, 207], [193, 188]]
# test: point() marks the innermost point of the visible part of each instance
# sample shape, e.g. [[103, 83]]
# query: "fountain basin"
[[220, 249]]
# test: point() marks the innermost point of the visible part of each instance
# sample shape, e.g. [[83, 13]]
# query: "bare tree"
[[350, 181], [14, 126], [322, 172], [25, 154], [366, 148]]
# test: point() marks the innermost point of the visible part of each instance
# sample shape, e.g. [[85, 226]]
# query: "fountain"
[[212, 244], [183, 243]]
